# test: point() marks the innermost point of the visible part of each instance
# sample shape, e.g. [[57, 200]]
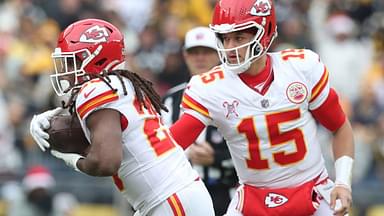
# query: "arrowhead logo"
[[261, 8], [95, 34], [273, 200]]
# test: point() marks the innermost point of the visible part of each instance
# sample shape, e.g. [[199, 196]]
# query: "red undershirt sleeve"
[[186, 130], [330, 114]]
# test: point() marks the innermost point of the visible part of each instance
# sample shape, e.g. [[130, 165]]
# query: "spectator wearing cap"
[[209, 155], [37, 198]]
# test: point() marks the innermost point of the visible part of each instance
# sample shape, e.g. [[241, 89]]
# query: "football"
[[67, 136]]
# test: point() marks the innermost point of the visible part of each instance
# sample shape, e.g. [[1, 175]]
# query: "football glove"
[[69, 158], [39, 124]]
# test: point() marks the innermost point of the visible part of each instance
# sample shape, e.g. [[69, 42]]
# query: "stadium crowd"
[[348, 34]]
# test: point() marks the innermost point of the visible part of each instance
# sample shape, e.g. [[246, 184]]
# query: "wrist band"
[[343, 170]]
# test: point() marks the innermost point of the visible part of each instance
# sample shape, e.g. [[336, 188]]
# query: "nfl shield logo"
[[264, 103]]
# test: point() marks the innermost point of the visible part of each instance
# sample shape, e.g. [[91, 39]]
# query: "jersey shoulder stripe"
[[96, 101], [189, 103], [321, 84]]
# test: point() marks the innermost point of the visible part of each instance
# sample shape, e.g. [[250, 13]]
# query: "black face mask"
[[41, 199]]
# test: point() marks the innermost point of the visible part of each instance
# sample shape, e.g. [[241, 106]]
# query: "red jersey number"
[[212, 76], [277, 137], [156, 134]]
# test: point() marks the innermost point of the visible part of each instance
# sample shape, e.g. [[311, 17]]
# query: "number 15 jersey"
[[271, 136]]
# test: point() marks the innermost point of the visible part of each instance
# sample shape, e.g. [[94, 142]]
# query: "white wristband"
[[343, 170]]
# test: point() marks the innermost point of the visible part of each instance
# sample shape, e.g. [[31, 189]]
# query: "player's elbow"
[[109, 169], [105, 167]]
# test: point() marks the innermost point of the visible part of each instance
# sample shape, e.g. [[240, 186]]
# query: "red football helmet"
[[234, 15], [87, 46]]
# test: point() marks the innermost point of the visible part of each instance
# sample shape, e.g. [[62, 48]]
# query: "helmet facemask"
[[232, 16], [254, 47], [69, 69]]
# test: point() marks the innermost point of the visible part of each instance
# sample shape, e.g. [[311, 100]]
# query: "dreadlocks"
[[143, 89], [141, 86]]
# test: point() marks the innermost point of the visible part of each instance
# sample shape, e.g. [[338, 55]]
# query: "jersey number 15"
[[276, 138]]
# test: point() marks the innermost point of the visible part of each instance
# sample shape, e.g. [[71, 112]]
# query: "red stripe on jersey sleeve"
[[190, 103], [186, 130], [97, 101], [320, 85], [330, 114]]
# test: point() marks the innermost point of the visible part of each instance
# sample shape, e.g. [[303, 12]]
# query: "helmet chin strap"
[[242, 67], [238, 69]]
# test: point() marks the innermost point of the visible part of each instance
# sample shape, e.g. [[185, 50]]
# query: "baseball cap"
[[341, 24], [38, 177], [200, 36]]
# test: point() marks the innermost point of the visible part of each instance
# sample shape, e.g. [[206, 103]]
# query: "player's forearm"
[[343, 143], [343, 149], [91, 165]]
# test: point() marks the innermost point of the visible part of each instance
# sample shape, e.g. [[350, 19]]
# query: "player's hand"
[[344, 197], [201, 154], [69, 158], [39, 124]]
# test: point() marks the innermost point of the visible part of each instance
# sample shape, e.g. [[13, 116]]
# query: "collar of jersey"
[[261, 81]]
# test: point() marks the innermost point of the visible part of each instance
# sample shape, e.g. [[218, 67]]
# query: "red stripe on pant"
[[176, 205]]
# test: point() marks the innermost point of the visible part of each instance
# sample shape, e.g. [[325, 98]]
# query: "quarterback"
[[267, 106], [119, 114]]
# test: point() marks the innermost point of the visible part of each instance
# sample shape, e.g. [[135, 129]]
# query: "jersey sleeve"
[[94, 95], [323, 101], [330, 114], [317, 77], [193, 100]]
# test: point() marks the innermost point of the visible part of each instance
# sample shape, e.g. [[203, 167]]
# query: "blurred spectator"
[[375, 75], [174, 71], [9, 16], [334, 36], [369, 116], [36, 199], [191, 13], [37, 196], [292, 25], [150, 54], [11, 162], [64, 12], [136, 14]]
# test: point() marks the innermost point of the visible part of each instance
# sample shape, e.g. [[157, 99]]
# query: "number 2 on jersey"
[[276, 137], [157, 136]]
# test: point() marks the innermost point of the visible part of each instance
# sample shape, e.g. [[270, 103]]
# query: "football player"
[[119, 114], [267, 106]]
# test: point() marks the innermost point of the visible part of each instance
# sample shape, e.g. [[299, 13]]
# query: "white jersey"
[[153, 166], [271, 137]]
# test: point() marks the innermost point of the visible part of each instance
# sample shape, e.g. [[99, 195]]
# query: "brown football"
[[67, 136]]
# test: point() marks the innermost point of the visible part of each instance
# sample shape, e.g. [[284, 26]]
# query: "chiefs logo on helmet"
[[261, 8], [95, 34]]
